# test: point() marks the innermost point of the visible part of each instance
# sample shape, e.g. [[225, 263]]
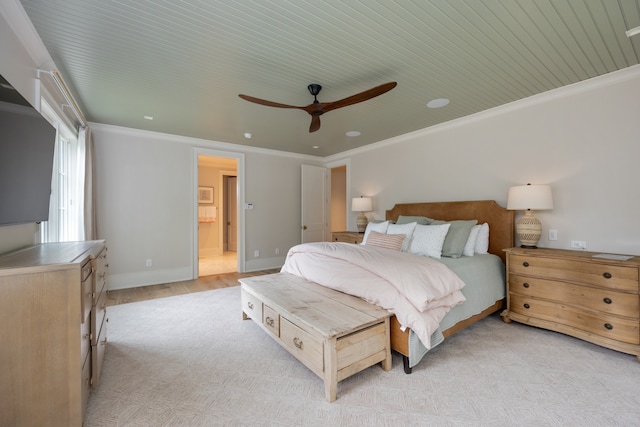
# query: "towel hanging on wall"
[[207, 213]]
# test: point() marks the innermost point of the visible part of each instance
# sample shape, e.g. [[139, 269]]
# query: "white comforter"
[[417, 289]]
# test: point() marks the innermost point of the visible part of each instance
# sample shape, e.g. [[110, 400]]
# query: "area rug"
[[190, 360]]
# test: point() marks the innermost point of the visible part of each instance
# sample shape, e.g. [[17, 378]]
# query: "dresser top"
[[575, 254], [51, 253]]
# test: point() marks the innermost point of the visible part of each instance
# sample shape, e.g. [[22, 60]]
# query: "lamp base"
[[361, 222], [529, 230]]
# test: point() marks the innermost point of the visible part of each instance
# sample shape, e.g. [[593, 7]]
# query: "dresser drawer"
[[302, 345], [347, 237], [101, 267], [602, 324], [606, 276], [85, 337], [97, 357], [97, 317], [608, 301], [86, 382], [271, 320], [251, 305], [86, 290]]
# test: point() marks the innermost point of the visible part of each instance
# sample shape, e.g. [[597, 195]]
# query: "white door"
[[232, 213], [314, 200]]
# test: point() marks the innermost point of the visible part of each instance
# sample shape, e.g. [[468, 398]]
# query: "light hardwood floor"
[[205, 283]]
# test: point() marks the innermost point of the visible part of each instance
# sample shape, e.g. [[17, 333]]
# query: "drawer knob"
[[525, 284], [269, 321], [298, 343], [526, 264], [527, 306], [250, 305], [609, 326], [607, 275], [607, 300]]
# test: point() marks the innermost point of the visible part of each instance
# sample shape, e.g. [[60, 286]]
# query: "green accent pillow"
[[457, 236], [423, 220]]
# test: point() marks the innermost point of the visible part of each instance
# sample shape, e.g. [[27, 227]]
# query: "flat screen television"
[[27, 143]]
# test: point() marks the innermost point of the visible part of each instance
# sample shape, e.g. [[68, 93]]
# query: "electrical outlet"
[[149, 262], [578, 244], [256, 253], [553, 234]]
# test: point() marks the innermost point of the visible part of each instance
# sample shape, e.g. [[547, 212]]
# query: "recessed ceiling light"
[[437, 103], [248, 135], [148, 117], [353, 133], [316, 146]]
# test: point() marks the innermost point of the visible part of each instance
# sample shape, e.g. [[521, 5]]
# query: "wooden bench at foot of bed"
[[334, 334]]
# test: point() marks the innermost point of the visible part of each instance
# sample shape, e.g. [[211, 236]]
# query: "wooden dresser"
[[52, 331], [347, 236], [594, 299]]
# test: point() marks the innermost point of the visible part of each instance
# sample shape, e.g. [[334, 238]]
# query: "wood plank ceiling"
[[185, 62]]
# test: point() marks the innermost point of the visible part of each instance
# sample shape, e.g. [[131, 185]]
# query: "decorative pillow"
[[470, 246], [380, 227], [402, 219], [456, 237], [406, 229], [482, 244], [389, 241], [427, 240]]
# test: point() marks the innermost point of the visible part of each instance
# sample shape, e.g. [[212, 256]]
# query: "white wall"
[[145, 182], [583, 140]]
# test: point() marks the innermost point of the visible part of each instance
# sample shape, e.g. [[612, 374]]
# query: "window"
[[65, 222]]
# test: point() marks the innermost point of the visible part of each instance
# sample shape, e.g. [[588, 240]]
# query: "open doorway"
[[217, 215]]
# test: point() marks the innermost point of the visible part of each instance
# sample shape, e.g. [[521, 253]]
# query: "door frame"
[[239, 157], [346, 163], [224, 207]]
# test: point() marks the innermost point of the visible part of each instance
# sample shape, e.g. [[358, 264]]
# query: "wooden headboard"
[[500, 220]]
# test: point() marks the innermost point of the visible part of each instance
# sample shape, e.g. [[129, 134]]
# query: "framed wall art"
[[205, 194]]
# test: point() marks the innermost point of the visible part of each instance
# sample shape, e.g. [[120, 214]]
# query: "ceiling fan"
[[317, 108]]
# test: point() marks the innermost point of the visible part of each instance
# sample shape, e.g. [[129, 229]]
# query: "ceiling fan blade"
[[315, 124], [268, 103], [359, 97]]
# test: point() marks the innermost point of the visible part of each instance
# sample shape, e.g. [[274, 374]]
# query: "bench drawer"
[[302, 345], [251, 305], [271, 320]]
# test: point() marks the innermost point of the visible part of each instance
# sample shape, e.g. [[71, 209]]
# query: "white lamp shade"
[[529, 197], [361, 204]]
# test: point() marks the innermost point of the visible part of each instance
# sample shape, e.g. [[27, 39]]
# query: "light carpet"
[[190, 360]]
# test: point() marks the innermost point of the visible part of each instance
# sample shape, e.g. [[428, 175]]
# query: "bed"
[[484, 292]]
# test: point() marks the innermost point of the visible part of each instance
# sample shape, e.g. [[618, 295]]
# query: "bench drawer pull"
[[250, 305], [269, 321], [298, 343]]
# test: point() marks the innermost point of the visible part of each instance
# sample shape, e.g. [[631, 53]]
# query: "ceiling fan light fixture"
[[353, 133], [438, 103]]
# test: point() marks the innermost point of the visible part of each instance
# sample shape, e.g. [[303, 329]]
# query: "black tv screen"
[[27, 143]]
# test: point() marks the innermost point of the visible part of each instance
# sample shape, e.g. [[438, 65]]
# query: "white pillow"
[[470, 246], [406, 229], [428, 240], [380, 227], [482, 243]]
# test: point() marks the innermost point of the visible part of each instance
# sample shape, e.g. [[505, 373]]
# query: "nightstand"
[[347, 236], [594, 299]]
